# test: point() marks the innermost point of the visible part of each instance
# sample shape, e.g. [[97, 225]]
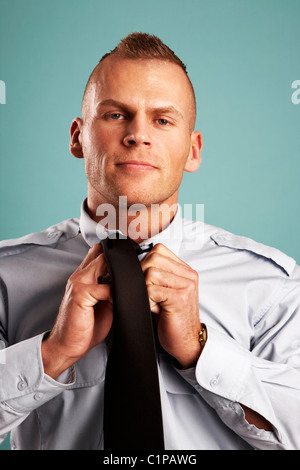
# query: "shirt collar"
[[93, 232]]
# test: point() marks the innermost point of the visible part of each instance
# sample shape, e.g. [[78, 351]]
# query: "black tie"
[[132, 408]]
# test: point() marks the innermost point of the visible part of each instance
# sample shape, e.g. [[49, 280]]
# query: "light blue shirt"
[[249, 296]]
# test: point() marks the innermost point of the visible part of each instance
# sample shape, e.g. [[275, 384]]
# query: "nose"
[[137, 133]]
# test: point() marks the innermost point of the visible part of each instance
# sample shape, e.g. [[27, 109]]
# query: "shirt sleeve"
[[23, 384], [265, 377]]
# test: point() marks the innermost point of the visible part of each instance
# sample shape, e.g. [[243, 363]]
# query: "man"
[[239, 389]]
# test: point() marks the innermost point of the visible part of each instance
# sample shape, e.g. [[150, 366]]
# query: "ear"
[[75, 140], [194, 159]]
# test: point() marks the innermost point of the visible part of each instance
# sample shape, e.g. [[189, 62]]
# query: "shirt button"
[[21, 385], [214, 381], [38, 396], [52, 234]]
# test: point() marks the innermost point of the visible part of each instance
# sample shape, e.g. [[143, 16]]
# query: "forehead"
[[141, 82]]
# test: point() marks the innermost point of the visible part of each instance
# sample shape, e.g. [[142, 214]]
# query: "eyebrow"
[[161, 109]]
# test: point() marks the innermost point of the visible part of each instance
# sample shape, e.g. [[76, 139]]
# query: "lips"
[[136, 165]]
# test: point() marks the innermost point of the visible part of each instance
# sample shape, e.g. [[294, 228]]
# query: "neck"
[[137, 221]]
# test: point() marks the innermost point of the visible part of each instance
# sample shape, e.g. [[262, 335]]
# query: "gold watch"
[[202, 336]]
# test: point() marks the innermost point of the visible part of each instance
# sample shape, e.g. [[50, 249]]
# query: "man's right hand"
[[85, 316]]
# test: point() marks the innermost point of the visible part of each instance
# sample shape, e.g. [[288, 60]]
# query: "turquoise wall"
[[242, 56]]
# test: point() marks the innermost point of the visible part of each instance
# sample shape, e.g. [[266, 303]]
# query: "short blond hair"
[[143, 46]]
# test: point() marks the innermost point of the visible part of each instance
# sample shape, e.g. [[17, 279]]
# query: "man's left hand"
[[173, 293]]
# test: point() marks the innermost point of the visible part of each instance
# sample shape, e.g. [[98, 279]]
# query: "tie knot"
[[119, 240]]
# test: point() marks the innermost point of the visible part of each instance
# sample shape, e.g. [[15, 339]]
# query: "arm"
[[252, 417], [84, 318], [31, 371], [229, 377], [23, 384]]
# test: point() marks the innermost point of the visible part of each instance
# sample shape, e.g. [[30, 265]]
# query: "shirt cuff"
[[23, 384], [225, 379], [222, 367]]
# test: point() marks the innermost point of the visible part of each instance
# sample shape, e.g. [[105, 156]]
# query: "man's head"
[[136, 132], [142, 46]]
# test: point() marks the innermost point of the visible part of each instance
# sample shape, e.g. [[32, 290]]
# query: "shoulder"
[[49, 237], [254, 249], [215, 242]]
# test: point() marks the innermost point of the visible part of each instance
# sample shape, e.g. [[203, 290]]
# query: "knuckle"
[[183, 296], [152, 259], [190, 289], [195, 276], [74, 288], [159, 247], [157, 250], [150, 274], [152, 271], [186, 294], [192, 274], [72, 278]]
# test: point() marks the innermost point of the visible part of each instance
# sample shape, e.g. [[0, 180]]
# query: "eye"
[[163, 122], [115, 116]]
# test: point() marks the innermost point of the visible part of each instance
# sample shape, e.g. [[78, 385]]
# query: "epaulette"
[[237, 242], [48, 237]]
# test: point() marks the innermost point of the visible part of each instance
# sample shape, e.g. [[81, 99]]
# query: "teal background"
[[242, 57]]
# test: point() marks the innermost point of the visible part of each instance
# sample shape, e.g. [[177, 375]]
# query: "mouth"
[[136, 165]]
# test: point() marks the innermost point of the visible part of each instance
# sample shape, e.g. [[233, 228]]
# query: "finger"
[[93, 252], [92, 267], [164, 263], [154, 307], [88, 295], [159, 298], [99, 292], [179, 302], [163, 250], [166, 279], [95, 269]]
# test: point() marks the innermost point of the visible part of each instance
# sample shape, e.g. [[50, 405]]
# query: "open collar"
[[93, 232]]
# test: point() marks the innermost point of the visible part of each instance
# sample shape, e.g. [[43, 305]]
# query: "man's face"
[[135, 133]]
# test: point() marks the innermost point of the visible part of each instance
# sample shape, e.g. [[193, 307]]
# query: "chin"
[[130, 200], [127, 197]]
